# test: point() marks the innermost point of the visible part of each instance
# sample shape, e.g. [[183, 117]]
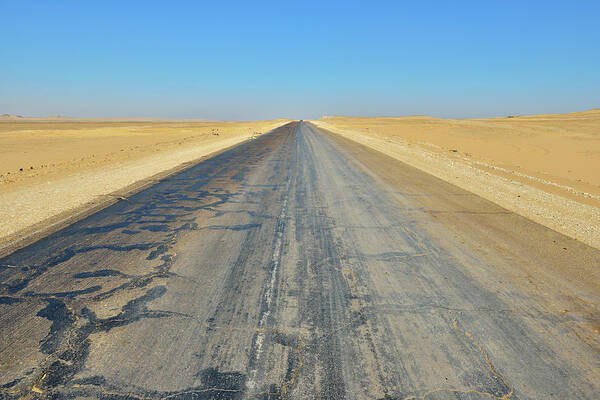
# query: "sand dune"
[[49, 167], [545, 167]]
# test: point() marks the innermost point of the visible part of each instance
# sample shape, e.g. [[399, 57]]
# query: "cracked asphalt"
[[301, 265]]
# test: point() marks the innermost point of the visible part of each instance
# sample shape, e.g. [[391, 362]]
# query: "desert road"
[[301, 265]]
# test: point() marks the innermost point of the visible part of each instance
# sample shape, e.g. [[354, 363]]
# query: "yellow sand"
[[562, 148], [52, 149]]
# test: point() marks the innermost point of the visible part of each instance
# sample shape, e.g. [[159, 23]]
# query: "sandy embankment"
[[544, 167], [55, 170]]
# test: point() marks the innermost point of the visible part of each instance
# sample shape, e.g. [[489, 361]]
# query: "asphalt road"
[[301, 265]]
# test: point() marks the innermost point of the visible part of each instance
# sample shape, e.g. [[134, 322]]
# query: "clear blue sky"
[[302, 59]]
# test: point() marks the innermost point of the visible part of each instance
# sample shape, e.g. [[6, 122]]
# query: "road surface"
[[301, 265]]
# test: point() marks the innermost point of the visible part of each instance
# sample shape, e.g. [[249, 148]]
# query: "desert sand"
[[51, 167], [545, 167]]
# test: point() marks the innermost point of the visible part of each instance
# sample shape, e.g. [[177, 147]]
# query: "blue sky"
[[303, 59]]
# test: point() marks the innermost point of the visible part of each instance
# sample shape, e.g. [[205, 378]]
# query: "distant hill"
[[10, 116], [54, 118]]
